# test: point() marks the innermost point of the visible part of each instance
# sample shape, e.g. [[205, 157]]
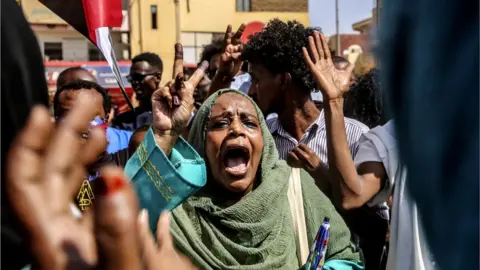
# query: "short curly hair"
[[216, 47], [278, 47], [77, 85], [151, 58], [367, 102]]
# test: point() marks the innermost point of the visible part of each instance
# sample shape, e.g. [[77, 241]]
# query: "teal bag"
[[163, 183]]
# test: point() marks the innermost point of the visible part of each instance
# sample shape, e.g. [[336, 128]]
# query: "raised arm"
[[352, 188]]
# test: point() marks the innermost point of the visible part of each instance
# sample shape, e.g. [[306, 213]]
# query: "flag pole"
[[337, 26]]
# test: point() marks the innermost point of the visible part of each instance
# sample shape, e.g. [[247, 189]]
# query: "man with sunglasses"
[[145, 76]]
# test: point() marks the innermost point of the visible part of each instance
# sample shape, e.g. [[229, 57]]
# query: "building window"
[[53, 51], [94, 54], [193, 44], [244, 5], [153, 11]]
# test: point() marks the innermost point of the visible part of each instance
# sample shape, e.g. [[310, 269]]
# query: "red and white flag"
[[93, 19]]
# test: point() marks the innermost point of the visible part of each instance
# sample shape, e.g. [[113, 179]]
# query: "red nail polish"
[[110, 185]]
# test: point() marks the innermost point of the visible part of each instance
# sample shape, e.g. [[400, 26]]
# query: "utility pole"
[[177, 21], [337, 25], [140, 35]]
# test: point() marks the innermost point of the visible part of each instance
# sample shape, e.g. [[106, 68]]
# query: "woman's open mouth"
[[235, 160]]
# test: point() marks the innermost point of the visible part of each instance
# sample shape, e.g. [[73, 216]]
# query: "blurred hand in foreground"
[[45, 169]]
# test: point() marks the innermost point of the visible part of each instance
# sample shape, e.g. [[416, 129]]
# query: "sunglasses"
[[138, 77]]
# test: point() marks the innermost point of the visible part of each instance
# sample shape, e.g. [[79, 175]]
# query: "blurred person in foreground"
[[430, 71], [36, 206], [42, 178], [117, 138], [66, 98], [369, 177], [23, 85], [145, 77]]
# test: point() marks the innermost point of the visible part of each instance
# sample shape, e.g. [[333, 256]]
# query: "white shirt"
[[315, 137], [408, 247]]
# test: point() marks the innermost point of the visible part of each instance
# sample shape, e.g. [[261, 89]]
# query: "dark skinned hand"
[[332, 82], [43, 178], [303, 157], [172, 105], [42, 181], [230, 60], [162, 256]]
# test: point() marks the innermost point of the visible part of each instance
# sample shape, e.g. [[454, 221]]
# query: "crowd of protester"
[[233, 166]]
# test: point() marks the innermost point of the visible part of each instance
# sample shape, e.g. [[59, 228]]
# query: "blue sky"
[[322, 14]]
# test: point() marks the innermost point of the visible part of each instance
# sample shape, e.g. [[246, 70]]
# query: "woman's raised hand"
[[173, 104], [332, 82]]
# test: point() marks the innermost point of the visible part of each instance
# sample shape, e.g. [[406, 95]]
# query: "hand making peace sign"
[[230, 60]]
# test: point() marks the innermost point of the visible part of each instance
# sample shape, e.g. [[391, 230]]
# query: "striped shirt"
[[315, 137]]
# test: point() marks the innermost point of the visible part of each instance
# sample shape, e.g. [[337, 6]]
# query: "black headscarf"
[[23, 86]]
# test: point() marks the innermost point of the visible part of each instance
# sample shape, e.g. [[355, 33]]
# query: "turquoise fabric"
[[342, 265], [181, 175]]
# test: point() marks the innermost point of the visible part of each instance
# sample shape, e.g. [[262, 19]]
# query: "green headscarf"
[[256, 232]]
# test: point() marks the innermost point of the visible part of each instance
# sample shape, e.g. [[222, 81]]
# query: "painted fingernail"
[[176, 100], [110, 185], [178, 50], [165, 218], [143, 216], [204, 65]]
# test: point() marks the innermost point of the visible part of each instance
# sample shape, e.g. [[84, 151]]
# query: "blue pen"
[[322, 244], [311, 255]]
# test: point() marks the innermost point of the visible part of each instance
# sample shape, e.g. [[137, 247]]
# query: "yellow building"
[[59, 41], [153, 27], [365, 26]]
